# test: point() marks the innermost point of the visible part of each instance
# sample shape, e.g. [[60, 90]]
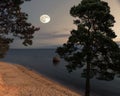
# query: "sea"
[[40, 60]]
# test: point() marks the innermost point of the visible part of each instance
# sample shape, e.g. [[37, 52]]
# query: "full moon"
[[45, 18]]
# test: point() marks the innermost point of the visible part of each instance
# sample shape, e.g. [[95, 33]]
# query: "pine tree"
[[91, 45], [13, 23]]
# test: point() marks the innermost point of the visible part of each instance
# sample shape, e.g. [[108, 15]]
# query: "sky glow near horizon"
[[57, 31]]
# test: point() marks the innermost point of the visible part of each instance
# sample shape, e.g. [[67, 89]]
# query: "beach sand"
[[16, 80]]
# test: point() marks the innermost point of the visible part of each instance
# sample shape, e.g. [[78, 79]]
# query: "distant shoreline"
[[50, 48]]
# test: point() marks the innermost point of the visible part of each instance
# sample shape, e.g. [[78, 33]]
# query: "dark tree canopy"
[[13, 23], [92, 42]]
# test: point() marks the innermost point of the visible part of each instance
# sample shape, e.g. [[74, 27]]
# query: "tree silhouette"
[[13, 23], [91, 45]]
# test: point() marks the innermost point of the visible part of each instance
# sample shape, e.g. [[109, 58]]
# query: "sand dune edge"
[[16, 80]]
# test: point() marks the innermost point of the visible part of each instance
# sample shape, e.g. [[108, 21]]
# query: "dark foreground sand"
[[16, 80]]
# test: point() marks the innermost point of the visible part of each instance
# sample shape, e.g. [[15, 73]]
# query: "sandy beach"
[[16, 80]]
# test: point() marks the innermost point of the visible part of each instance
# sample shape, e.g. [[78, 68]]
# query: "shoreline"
[[50, 79], [21, 81]]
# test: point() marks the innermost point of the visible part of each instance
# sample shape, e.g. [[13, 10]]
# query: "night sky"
[[56, 32]]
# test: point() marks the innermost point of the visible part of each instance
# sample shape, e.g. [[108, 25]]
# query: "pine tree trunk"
[[87, 89]]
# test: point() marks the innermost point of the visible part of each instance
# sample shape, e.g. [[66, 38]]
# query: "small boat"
[[56, 59]]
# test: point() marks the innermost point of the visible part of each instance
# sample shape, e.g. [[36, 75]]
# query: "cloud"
[[63, 33], [39, 43], [51, 36], [45, 39]]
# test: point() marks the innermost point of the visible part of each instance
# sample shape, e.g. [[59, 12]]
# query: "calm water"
[[40, 60]]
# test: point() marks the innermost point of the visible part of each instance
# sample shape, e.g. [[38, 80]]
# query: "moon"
[[45, 18]]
